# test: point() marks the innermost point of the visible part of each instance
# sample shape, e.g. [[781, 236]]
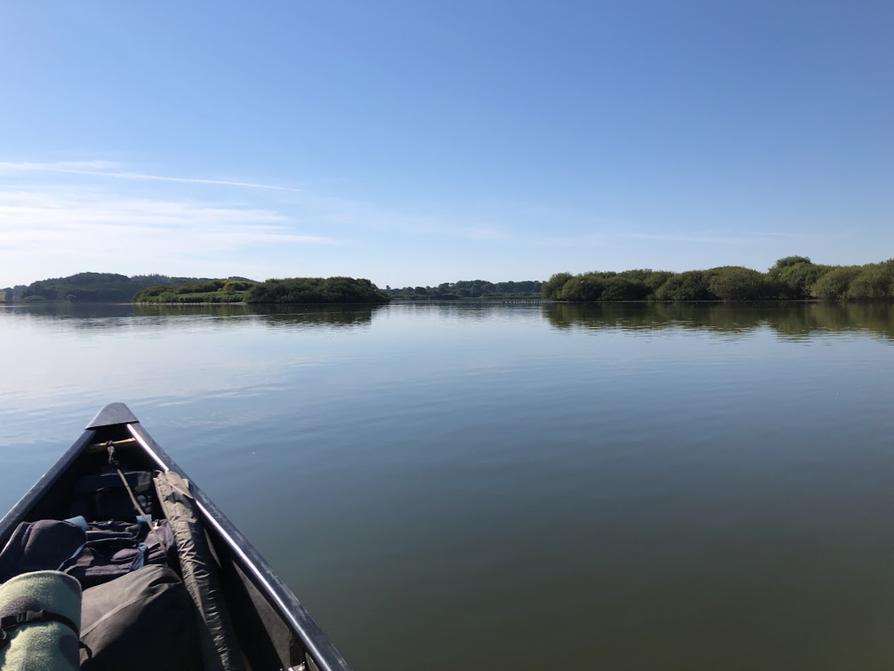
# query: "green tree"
[[553, 286], [794, 276], [624, 289], [873, 281], [734, 283], [689, 286], [834, 284]]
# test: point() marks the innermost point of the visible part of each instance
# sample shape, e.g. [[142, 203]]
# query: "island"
[[288, 290]]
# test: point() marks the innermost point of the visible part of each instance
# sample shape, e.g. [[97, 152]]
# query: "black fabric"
[[103, 496], [143, 621], [39, 546], [114, 549]]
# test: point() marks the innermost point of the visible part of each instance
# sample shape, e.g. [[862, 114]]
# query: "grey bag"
[[142, 621]]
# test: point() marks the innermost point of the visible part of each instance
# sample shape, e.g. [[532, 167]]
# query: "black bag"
[[143, 621], [44, 545], [103, 496], [114, 549]]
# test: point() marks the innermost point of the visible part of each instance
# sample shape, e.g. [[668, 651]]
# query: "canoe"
[[273, 629]]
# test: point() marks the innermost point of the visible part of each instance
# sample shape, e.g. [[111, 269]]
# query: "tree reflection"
[[788, 320]]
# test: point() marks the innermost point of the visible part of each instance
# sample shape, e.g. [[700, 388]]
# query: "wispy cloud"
[[57, 214], [708, 239], [41, 217], [112, 170], [324, 209], [59, 230], [573, 241]]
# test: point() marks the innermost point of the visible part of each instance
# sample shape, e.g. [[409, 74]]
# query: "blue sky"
[[417, 143]]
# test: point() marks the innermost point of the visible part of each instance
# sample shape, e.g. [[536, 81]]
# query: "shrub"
[[834, 285], [553, 286], [689, 286], [795, 276], [733, 283], [874, 281], [624, 289]]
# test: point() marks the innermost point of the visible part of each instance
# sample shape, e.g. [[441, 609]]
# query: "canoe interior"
[[273, 629]]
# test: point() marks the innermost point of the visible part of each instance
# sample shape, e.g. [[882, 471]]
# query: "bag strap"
[[14, 620], [113, 462]]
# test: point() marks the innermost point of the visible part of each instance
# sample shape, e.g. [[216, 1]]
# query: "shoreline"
[[443, 301]]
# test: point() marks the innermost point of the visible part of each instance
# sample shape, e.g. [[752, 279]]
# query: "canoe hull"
[[274, 628]]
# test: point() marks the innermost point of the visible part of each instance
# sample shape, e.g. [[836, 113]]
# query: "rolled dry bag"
[[40, 613], [220, 649]]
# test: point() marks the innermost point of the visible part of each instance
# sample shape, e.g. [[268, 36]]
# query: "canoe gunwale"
[[321, 649]]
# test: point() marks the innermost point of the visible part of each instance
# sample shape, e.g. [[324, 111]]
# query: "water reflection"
[[662, 501], [316, 315], [788, 320], [100, 316]]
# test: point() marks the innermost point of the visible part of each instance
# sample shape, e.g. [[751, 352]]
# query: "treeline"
[[791, 278], [91, 288], [290, 290], [317, 290], [469, 289]]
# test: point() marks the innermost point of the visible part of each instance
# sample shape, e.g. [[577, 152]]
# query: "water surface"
[[519, 487]]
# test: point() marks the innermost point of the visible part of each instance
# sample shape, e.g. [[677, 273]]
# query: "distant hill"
[[469, 289], [91, 288]]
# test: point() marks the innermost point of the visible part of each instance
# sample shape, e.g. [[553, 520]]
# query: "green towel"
[[41, 646]]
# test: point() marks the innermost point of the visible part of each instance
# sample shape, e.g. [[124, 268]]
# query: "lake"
[[686, 487]]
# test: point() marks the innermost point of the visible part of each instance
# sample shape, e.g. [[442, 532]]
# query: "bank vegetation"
[[790, 278], [289, 290]]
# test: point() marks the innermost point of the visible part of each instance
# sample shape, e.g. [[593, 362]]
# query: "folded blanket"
[[40, 614]]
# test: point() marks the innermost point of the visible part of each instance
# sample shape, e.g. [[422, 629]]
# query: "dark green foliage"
[[793, 277], [734, 283], [620, 288], [630, 285], [316, 290], [551, 288], [291, 290], [655, 278], [586, 287], [787, 261], [873, 282], [689, 286], [834, 284], [469, 289], [231, 290]]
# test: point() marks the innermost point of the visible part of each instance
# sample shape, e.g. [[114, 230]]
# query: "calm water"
[[516, 487]]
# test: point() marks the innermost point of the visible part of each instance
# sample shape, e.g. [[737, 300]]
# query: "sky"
[[426, 142]]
